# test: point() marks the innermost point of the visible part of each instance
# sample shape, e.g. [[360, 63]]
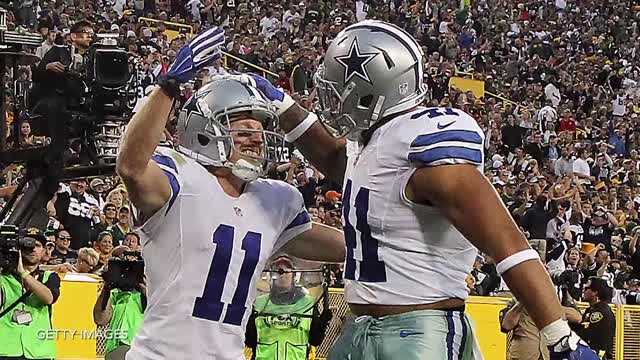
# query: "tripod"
[[39, 184]]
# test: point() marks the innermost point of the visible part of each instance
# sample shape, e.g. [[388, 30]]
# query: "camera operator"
[[57, 85], [26, 296], [598, 325], [120, 305]]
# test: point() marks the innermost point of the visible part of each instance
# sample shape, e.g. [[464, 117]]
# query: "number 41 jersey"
[[204, 252], [400, 252]]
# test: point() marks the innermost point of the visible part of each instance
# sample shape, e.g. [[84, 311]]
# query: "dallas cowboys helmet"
[[371, 70], [204, 126]]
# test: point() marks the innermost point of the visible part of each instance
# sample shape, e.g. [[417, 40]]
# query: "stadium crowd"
[[562, 137]]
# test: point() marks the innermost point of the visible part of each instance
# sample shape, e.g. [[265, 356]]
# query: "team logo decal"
[[595, 317], [355, 62]]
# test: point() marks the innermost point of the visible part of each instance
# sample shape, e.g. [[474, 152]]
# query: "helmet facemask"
[[245, 163]]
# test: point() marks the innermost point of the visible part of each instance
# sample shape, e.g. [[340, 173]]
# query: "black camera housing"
[[125, 273], [10, 245]]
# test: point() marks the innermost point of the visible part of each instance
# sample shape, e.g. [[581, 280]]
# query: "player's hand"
[[194, 55], [281, 100], [571, 347]]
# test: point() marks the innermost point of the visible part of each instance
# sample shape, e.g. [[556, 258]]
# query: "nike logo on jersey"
[[405, 333], [440, 126]]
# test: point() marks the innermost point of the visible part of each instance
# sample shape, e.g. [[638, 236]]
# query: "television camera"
[[11, 242], [125, 272], [97, 123]]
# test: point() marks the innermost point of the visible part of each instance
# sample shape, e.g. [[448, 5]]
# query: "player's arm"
[[324, 151], [320, 243], [466, 198], [303, 129], [148, 187]]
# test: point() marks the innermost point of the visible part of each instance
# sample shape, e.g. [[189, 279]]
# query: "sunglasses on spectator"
[[64, 237]]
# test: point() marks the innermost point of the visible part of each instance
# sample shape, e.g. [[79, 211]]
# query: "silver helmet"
[[371, 70], [205, 133]]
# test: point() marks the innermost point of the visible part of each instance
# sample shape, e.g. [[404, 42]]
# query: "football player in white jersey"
[[415, 203], [207, 222]]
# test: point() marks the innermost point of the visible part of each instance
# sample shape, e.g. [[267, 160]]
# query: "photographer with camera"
[[121, 302], [26, 296], [57, 85]]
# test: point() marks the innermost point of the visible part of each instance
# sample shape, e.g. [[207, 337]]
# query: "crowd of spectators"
[[562, 151]]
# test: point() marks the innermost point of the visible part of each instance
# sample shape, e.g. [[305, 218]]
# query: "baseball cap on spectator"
[[498, 164], [332, 195], [115, 27], [96, 182], [147, 33], [130, 33]]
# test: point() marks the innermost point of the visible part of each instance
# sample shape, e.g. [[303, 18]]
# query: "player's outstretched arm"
[[304, 130], [146, 183], [320, 243], [467, 199], [148, 187]]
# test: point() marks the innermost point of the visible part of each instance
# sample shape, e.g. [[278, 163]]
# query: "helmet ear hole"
[[203, 140], [366, 101]]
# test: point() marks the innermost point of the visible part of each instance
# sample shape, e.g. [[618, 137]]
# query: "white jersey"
[[400, 252], [204, 252]]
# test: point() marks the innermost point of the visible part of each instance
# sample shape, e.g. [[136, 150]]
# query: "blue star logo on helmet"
[[355, 62]]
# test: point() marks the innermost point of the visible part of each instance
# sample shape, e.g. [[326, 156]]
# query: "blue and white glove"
[[281, 100], [569, 346], [192, 57]]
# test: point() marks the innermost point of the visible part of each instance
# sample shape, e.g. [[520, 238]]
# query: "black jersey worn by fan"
[[75, 213], [598, 234]]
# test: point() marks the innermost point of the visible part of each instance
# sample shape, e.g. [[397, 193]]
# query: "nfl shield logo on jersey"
[[237, 210]]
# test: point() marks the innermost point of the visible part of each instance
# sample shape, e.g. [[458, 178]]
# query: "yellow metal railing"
[[264, 72]]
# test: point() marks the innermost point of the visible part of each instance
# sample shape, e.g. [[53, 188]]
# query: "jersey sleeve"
[[297, 220], [169, 164], [448, 137]]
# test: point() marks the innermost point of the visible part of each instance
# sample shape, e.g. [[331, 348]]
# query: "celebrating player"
[[414, 202], [208, 224]]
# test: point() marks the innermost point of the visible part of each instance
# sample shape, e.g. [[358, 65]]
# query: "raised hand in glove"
[[192, 57], [281, 100], [569, 346]]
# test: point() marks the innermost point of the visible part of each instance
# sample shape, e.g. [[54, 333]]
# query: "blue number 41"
[[372, 269], [209, 306]]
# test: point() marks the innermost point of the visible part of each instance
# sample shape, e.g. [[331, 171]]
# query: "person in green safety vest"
[[26, 296], [286, 323], [122, 310]]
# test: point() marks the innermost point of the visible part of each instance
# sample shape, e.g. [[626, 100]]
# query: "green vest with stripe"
[[126, 318], [284, 336], [31, 341]]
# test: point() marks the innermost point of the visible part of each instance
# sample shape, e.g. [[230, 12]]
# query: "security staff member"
[[598, 322], [26, 296], [290, 325], [56, 86]]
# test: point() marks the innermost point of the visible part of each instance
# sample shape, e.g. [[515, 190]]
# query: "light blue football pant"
[[416, 335]]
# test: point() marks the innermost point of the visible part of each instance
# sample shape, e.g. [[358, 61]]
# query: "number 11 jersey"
[[204, 252], [400, 252]]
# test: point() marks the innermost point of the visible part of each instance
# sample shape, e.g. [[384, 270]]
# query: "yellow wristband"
[[24, 274]]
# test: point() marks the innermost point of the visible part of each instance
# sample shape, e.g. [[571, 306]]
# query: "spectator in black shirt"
[[599, 228], [536, 218], [78, 212], [62, 254]]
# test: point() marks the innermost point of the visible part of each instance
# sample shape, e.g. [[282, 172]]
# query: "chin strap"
[[246, 170]]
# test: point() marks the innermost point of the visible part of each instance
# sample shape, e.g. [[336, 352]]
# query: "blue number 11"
[[209, 306]]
